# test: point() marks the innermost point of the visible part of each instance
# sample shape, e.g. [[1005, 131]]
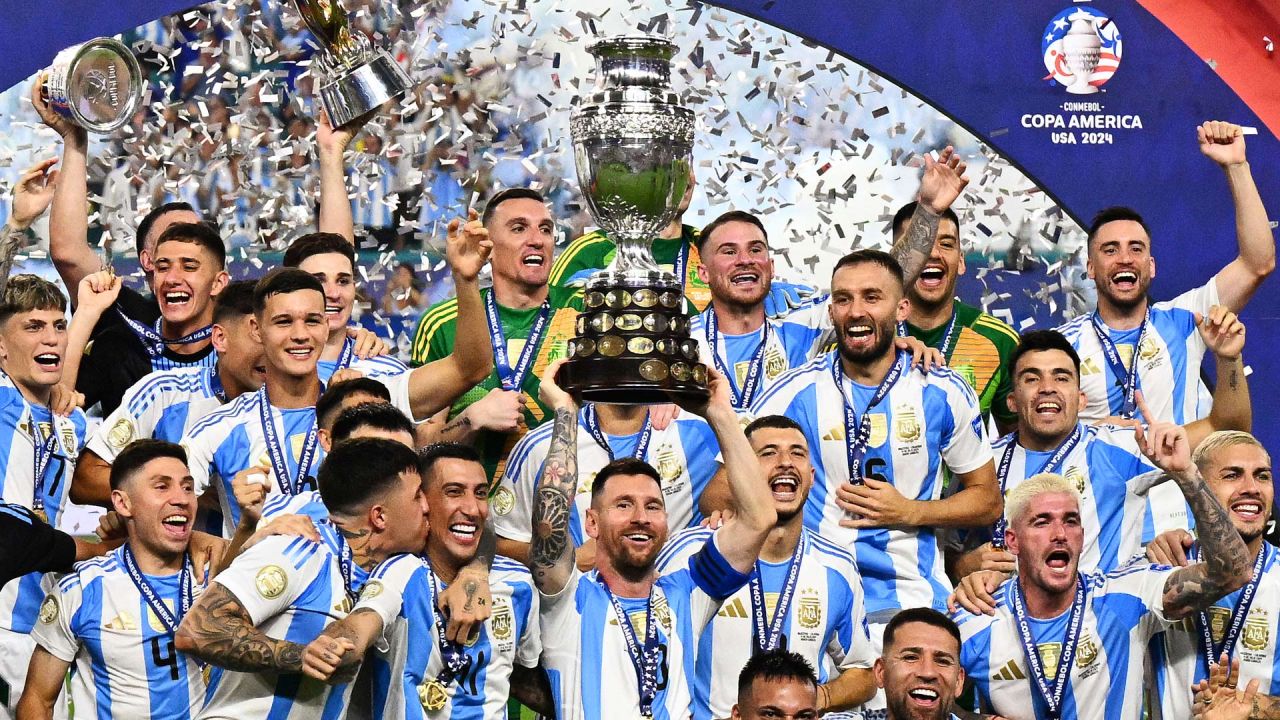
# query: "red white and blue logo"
[[1081, 48]]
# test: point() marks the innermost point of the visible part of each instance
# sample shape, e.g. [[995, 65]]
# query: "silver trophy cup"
[[633, 144], [96, 85], [354, 77]]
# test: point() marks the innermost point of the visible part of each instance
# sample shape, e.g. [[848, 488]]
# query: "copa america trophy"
[[96, 84], [1083, 49], [355, 78], [633, 143]]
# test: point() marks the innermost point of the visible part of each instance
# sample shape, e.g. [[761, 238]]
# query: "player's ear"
[[220, 342], [255, 331], [878, 670], [120, 503], [322, 435], [592, 524]]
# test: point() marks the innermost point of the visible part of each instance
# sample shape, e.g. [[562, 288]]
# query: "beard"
[[885, 335]]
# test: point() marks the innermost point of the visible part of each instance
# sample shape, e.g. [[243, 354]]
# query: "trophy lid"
[[97, 83]]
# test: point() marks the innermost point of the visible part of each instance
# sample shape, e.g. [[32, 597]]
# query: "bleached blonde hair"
[[1222, 440], [1018, 500]]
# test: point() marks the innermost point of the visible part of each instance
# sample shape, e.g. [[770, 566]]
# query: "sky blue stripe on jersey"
[[595, 618], [91, 605], [168, 694], [304, 627], [154, 385]]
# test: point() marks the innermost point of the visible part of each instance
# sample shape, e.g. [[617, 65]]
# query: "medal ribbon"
[[1052, 696], [186, 589], [593, 426], [768, 635], [215, 385], [741, 397], [857, 432], [154, 342], [945, 347], [347, 355], [513, 378], [643, 658], [288, 485], [1053, 465], [1128, 377], [42, 451], [452, 655], [1212, 651]]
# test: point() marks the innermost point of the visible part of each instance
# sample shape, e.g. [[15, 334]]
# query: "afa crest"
[[669, 465], [1075, 476], [501, 622], [774, 363], [906, 425], [1257, 632], [809, 610], [1086, 652]]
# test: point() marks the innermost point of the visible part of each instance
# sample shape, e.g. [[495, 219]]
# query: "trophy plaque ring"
[[96, 84], [633, 145], [354, 77]]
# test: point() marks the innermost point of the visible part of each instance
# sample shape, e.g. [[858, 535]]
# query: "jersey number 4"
[[160, 660]]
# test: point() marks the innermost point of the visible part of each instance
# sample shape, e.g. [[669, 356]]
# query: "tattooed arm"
[[1224, 335], [31, 197], [1226, 564], [467, 601], [551, 552], [219, 630], [943, 181], [335, 656]]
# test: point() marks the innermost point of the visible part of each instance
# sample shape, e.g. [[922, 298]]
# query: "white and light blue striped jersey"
[[1102, 466], [1123, 611], [231, 438], [826, 623], [20, 598], [123, 660], [372, 203], [1177, 661], [585, 653], [686, 455], [160, 406], [1168, 361], [794, 339], [292, 589], [379, 367], [925, 421], [399, 591]]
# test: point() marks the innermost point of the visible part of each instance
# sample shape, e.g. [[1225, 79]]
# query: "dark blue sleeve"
[[30, 545], [713, 574]]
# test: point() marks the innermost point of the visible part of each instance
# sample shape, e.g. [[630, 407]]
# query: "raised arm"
[[69, 224], [1223, 143], [741, 536], [943, 181], [219, 630], [438, 384], [1224, 335], [331, 146], [1226, 565], [551, 551], [31, 197], [98, 291]]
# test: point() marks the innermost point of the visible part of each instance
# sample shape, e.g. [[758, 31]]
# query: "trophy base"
[[620, 381], [632, 345], [363, 89]]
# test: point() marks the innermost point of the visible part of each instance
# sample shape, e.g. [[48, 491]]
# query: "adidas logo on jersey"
[[735, 609], [1010, 671]]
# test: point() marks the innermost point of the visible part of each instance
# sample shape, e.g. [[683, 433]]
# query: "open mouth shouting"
[[932, 277], [923, 697], [177, 525], [744, 279], [1048, 408], [534, 259], [1125, 280], [177, 298], [1058, 561], [859, 333], [49, 361], [785, 486]]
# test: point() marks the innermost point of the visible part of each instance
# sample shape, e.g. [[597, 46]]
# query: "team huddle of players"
[[889, 496]]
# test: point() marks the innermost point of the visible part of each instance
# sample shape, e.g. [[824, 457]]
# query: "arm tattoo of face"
[[551, 546], [912, 250], [225, 636], [1225, 556]]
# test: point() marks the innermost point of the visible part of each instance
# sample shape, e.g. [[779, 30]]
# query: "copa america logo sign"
[[1081, 48]]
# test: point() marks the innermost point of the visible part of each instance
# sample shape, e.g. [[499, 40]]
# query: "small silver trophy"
[[1083, 49], [354, 77], [96, 84], [633, 143]]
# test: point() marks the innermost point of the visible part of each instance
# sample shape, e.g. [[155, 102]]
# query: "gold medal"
[[628, 322], [41, 515], [433, 695], [640, 345], [653, 322], [653, 370], [593, 300], [602, 322], [611, 346], [617, 299], [646, 298]]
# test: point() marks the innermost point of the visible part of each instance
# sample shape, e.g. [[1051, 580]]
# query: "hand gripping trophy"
[[633, 143], [355, 78], [96, 84]]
